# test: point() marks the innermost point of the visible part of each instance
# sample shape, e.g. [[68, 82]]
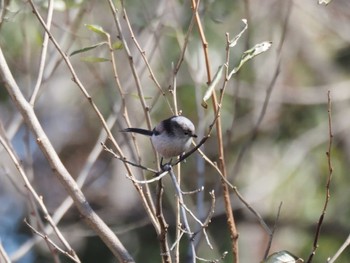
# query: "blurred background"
[[274, 117]]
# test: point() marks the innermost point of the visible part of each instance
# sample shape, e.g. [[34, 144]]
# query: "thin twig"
[[67, 203], [214, 260], [183, 210], [340, 250], [124, 160], [251, 209], [177, 240], [46, 238], [30, 118], [226, 193], [3, 255], [135, 75], [75, 77], [208, 218], [139, 87], [329, 179], [186, 40], [37, 219], [43, 55], [146, 197], [269, 90], [38, 199], [192, 256], [255, 130], [51, 64], [272, 232], [173, 91], [155, 179], [193, 191], [163, 234], [122, 252], [203, 225], [143, 54]]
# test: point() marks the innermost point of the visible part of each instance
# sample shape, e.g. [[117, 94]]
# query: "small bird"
[[171, 137]]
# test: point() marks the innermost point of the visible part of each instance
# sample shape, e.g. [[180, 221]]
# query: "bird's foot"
[[165, 167]]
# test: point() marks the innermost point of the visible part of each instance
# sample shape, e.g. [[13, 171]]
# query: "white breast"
[[169, 147]]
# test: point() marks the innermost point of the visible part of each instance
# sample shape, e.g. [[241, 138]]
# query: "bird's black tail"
[[138, 130]]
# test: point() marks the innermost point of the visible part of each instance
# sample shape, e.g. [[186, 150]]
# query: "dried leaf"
[[212, 86], [251, 53], [234, 41]]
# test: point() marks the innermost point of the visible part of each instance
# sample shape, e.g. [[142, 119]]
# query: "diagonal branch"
[[30, 118]]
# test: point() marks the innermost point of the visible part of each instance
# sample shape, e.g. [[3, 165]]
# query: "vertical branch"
[[330, 175], [145, 107], [139, 88], [185, 44], [271, 233], [43, 55], [192, 255], [147, 195], [163, 234], [143, 55], [178, 232], [227, 201]]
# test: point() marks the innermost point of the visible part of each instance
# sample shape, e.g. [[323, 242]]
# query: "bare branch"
[[187, 229], [340, 250], [272, 232], [46, 238], [329, 178], [37, 198], [163, 235], [3, 256], [43, 55], [30, 118]]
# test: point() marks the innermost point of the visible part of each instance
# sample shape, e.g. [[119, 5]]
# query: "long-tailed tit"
[[171, 137]]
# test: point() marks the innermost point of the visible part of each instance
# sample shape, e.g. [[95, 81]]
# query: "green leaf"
[[212, 86], [94, 59], [97, 29], [135, 95], [117, 45], [85, 49], [251, 53]]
